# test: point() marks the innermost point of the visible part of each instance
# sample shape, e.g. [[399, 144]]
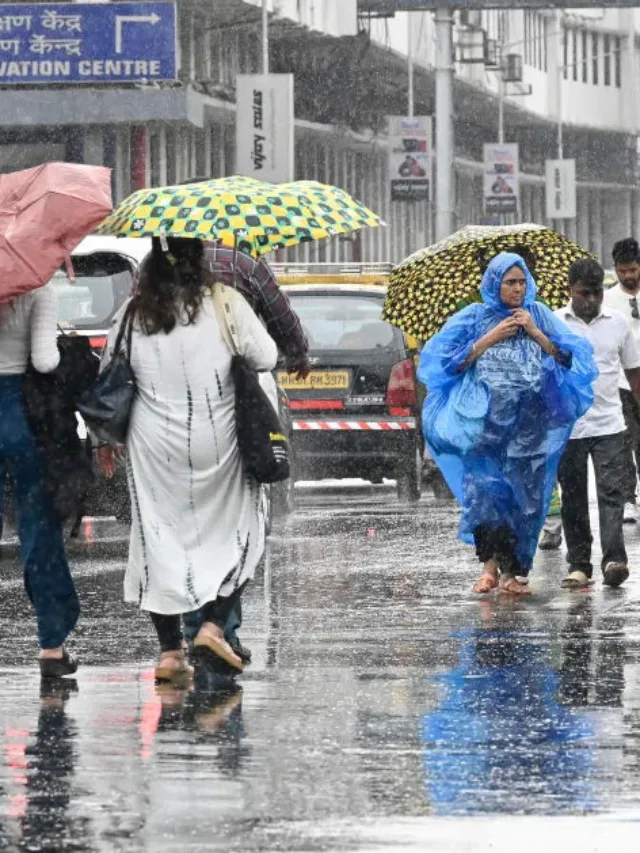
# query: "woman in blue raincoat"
[[506, 382]]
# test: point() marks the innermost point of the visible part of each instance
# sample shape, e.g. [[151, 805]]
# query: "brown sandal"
[[206, 644], [182, 672]]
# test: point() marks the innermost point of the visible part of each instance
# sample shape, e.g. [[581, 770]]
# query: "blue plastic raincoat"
[[498, 428]]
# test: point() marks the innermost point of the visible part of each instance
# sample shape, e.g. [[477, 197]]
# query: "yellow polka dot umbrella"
[[432, 284], [257, 216]]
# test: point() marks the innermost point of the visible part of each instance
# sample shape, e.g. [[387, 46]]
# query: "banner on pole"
[[561, 189], [265, 127], [501, 178], [410, 157]]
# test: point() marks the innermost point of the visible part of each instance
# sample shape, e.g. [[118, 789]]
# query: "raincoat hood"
[[492, 279]]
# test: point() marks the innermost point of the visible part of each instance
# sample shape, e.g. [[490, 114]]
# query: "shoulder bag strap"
[[126, 325], [226, 318]]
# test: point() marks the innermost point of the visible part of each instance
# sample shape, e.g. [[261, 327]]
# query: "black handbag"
[[263, 445], [106, 405]]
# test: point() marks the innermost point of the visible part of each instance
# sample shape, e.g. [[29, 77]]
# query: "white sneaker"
[[630, 514]]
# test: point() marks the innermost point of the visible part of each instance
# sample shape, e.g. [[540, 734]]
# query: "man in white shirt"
[[599, 433], [623, 297]]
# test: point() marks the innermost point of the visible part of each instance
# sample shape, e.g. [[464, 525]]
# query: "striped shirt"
[[256, 282]]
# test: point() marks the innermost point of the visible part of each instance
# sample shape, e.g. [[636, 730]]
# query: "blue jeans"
[[47, 577], [193, 620]]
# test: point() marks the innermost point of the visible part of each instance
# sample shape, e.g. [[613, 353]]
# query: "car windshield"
[[102, 283], [342, 321]]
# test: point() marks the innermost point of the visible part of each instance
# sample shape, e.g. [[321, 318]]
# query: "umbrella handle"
[[68, 263]]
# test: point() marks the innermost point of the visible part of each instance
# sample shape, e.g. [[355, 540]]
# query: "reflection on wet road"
[[382, 697]]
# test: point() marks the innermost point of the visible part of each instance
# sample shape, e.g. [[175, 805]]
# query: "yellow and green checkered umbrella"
[[333, 207], [257, 216], [431, 285]]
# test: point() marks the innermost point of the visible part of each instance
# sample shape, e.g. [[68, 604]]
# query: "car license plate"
[[317, 380]]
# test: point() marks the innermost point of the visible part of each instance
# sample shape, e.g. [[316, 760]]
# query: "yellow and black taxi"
[[357, 414]]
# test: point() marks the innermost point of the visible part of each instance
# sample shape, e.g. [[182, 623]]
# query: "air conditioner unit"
[[471, 18], [512, 69]]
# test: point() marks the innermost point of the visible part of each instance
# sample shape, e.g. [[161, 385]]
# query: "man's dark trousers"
[[631, 410], [608, 455]]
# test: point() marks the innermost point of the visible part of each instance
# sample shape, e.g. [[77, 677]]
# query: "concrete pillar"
[[74, 145], [595, 205], [162, 155], [139, 157], [208, 146], [635, 218], [582, 202], [123, 164], [93, 153]]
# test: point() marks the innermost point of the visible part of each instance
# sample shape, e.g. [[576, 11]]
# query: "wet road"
[[385, 709]]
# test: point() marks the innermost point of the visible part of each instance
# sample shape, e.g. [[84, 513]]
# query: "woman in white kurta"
[[197, 518]]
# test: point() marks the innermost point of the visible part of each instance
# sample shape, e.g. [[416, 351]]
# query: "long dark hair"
[[170, 285]]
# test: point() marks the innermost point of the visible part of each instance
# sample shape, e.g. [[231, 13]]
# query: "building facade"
[[351, 71]]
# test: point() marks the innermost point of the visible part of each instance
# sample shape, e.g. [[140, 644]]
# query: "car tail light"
[[98, 343], [401, 390]]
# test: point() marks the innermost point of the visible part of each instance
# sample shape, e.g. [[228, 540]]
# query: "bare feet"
[[510, 585], [488, 580]]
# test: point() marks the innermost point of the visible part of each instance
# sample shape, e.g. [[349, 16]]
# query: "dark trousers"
[[47, 577], [193, 621], [631, 410], [497, 543], [169, 628], [607, 454]]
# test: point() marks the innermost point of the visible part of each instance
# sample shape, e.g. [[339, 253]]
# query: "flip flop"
[[576, 580], [204, 645], [487, 580]]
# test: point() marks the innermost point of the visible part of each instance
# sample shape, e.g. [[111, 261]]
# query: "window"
[[585, 57], [565, 54], [527, 37], [545, 36], [595, 58], [617, 61], [607, 60], [574, 55], [343, 322]]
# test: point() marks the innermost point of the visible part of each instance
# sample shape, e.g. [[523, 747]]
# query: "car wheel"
[[409, 481]]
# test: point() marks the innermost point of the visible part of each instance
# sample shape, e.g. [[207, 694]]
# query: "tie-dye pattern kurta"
[[198, 525]]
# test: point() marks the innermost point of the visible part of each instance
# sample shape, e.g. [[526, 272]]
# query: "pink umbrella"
[[44, 213]]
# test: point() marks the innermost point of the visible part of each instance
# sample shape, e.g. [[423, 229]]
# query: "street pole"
[[265, 37], [444, 122], [411, 105], [560, 21]]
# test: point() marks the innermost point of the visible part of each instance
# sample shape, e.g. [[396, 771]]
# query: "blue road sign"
[[87, 42]]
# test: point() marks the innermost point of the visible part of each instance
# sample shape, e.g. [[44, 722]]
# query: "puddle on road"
[[381, 692]]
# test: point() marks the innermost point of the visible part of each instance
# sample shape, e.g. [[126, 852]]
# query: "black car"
[[358, 412]]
